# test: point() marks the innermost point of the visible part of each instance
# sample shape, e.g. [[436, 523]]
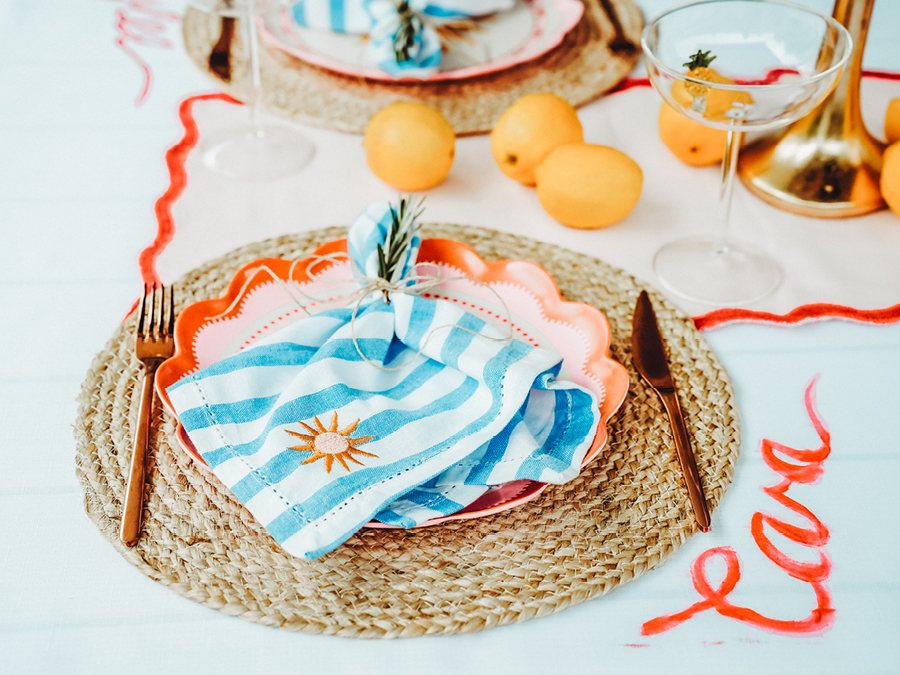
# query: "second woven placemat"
[[624, 514], [580, 69]]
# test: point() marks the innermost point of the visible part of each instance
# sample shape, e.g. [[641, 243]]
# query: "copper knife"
[[648, 350], [619, 42], [220, 56]]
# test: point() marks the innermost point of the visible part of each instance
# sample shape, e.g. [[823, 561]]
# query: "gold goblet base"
[[806, 172]]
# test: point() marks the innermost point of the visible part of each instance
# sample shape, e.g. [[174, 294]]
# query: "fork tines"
[[162, 313]]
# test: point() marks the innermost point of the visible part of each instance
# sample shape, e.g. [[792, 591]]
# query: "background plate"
[[530, 29]]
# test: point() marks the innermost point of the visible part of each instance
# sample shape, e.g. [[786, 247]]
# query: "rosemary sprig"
[[405, 37], [404, 227]]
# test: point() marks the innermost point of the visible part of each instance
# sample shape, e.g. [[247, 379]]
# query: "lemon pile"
[[540, 141]]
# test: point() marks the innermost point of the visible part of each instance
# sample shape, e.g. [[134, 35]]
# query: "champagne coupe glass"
[[773, 63], [255, 150]]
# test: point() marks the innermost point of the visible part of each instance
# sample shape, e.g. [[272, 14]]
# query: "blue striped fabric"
[[316, 441], [379, 20]]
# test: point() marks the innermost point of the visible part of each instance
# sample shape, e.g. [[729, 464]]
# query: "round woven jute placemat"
[[623, 515], [580, 69]]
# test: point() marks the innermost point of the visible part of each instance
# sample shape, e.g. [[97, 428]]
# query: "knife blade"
[[648, 351], [619, 42], [220, 56]]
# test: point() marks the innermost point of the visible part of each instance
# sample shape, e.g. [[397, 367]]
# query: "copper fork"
[[154, 343]]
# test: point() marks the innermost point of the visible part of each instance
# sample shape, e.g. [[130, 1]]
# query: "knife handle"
[[686, 458]]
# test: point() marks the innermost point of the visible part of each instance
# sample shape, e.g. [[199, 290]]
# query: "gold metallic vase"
[[825, 165]]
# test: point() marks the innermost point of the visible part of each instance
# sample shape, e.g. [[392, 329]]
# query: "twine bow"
[[365, 286]]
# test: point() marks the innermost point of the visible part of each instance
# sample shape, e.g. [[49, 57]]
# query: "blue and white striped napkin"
[[316, 440], [380, 20]]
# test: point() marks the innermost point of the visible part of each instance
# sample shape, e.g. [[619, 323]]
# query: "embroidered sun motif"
[[331, 443]]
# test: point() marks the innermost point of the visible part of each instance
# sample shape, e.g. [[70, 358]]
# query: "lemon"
[[410, 146], [529, 129], [588, 186], [892, 121], [890, 177], [693, 143]]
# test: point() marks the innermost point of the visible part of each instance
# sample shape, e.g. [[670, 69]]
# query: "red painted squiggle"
[[632, 82], [881, 75], [146, 30], [175, 161], [772, 76], [815, 574], [803, 313]]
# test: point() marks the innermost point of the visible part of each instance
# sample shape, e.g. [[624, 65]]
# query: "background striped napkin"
[[380, 20], [316, 441]]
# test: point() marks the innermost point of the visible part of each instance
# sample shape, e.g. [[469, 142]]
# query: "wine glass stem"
[[726, 189], [255, 77]]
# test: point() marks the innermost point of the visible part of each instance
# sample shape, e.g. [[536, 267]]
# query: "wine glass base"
[[257, 152], [714, 273]]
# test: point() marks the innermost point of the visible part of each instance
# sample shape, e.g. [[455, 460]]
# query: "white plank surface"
[[81, 168]]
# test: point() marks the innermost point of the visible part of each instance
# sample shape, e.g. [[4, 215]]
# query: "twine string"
[[360, 287]]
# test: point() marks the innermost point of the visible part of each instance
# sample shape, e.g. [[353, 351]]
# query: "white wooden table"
[[88, 107]]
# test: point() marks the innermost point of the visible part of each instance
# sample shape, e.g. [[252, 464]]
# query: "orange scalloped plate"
[[518, 296]]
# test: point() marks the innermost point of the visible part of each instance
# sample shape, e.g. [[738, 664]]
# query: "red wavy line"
[[134, 56], [811, 312], [881, 74], [175, 160], [128, 29], [632, 82]]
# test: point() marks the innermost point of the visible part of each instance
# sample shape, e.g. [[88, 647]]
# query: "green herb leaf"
[[405, 37], [403, 229]]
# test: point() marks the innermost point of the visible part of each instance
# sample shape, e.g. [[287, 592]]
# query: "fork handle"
[[132, 515]]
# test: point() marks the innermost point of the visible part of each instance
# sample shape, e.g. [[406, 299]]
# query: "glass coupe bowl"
[[766, 63]]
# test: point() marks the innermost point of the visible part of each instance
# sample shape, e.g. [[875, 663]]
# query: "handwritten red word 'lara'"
[[809, 468], [142, 23]]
